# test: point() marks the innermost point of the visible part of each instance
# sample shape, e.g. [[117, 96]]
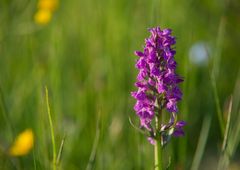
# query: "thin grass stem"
[[201, 142], [52, 130], [5, 112], [61, 150], [95, 145]]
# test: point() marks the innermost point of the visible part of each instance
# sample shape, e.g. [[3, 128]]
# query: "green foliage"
[[85, 58]]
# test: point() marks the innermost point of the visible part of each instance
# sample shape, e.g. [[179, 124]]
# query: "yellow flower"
[[42, 17], [50, 5], [22, 144]]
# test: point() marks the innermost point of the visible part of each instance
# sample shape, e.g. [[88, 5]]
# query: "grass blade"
[[201, 142], [60, 150], [215, 71], [52, 129], [95, 146]]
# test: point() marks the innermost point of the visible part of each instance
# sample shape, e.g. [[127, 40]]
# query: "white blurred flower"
[[199, 53]]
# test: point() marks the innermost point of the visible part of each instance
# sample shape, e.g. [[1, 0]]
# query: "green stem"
[[158, 147], [158, 155], [52, 130]]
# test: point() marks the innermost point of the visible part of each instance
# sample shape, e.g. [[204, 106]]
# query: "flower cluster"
[[157, 82], [45, 11]]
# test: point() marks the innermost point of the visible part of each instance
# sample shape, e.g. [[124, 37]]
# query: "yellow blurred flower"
[[22, 144], [50, 5], [42, 17], [45, 11]]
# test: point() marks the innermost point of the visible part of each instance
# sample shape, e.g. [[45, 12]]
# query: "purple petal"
[[151, 140], [180, 124], [139, 53], [172, 106], [142, 75], [161, 87], [141, 64], [155, 71], [166, 31], [178, 133], [140, 95]]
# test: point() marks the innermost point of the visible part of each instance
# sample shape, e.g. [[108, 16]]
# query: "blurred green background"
[[84, 55]]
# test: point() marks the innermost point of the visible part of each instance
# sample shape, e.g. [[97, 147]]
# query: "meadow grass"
[[84, 55]]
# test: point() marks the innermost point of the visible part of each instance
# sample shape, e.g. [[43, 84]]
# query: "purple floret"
[[178, 132], [157, 81]]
